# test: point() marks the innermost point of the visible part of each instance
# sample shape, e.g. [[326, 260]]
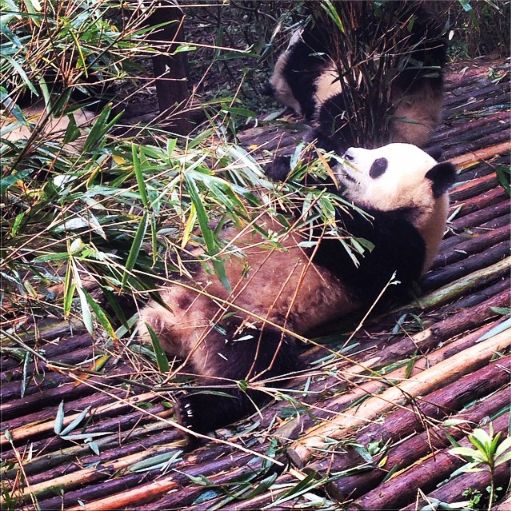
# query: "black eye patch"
[[378, 167]]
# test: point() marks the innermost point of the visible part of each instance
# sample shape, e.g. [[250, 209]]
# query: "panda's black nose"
[[348, 156]]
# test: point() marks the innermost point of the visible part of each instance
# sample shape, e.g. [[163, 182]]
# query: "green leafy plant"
[[488, 452]]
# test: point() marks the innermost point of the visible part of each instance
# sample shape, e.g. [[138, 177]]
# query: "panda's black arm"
[[235, 357]]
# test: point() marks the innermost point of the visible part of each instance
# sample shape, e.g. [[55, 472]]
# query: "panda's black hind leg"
[[247, 354]]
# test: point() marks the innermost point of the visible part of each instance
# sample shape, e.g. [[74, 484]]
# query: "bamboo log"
[[434, 406], [32, 429], [473, 245], [209, 459], [505, 505], [407, 452], [46, 397], [478, 217], [295, 427], [476, 297], [48, 413], [54, 350], [474, 124], [91, 474], [468, 189], [170, 436], [12, 390], [461, 97], [493, 139], [110, 445], [427, 381], [460, 286], [124, 421], [280, 487], [147, 492], [70, 357], [480, 201], [451, 243], [480, 155], [468, 265], [401, 489]]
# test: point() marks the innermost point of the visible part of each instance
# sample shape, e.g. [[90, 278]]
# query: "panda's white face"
[[389, 177], [401, 177]]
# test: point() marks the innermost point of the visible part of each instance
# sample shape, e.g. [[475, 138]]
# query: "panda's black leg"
[[238, 356]]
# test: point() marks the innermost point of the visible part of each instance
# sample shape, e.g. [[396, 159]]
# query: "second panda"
[[307, 77], [246, 333]]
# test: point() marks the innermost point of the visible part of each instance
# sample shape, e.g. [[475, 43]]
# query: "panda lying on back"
[[237, 335], [307, 77]]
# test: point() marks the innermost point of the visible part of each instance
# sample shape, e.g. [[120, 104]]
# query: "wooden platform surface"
[[449, 361]]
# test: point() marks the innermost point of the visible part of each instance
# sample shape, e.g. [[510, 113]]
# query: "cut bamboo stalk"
[[427, 381], [146, 492], [70, 357], [406, 453], [30, 430], [472, 246], [404, 422], [49, 412], [293, 428], [88, 475], [54, 350], [64, 455], [201, 462], [12, 390], [476, 218], [479, 201], [451, 243], [472, 187], [505, 505], [467, 159], [400, 490], [460, 286], [467, 266]]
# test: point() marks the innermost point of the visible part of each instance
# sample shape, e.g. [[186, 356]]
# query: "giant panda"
[[246, 333], [307, 79]]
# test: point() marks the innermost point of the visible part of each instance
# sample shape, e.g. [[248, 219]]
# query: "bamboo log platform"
[[79, 432]]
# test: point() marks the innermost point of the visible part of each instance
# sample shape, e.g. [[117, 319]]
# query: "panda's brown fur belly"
[[276, 287]]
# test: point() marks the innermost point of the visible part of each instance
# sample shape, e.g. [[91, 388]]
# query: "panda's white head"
[[401, 177], [394, 176]]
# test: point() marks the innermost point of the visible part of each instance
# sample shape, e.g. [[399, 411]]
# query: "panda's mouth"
[[345, 174]]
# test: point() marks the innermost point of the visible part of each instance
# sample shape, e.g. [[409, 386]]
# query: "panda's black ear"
[[443, 176]]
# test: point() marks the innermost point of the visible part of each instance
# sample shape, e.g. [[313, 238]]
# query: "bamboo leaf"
[[207, 233], [135, 153], [161, 357], [69, 290], [26, 361], [101, 316], [59, 419], [84, 305], [135, 249], [76, 422]]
